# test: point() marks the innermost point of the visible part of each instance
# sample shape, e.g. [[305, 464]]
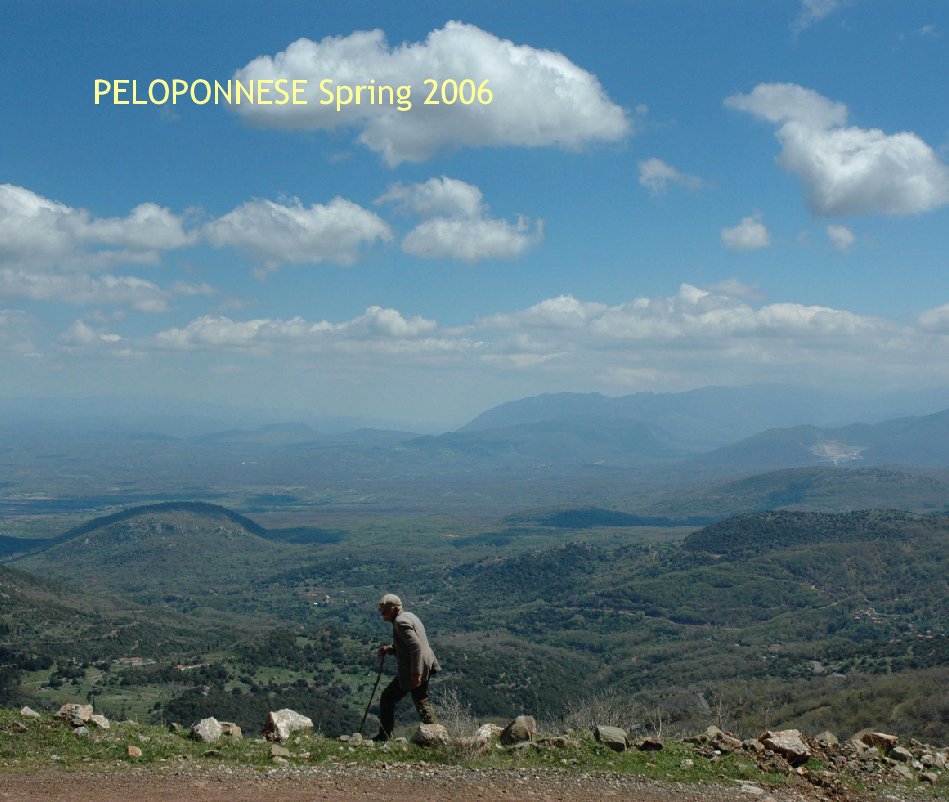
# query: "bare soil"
[[384, 783]]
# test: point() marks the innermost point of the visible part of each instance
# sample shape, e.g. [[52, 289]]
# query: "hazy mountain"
[[713, 416], [273, 434], [918, 441], [822, 489], [566, 441]]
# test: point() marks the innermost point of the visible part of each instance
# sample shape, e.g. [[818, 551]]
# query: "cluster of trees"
[[325, 705]]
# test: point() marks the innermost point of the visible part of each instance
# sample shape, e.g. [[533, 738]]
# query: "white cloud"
[[693, 337], [655, 175], [187, 289], [737, 289], [936, 320], [539, 97], [471, 240], [813, 11], [437, 196], [458, 226], [693, 314], [376, 330], [38, 232], [781, 103], [81, 334], [847, 170], [276, 233], [749, 235], [841, 238], [83, 288], [563, 312]]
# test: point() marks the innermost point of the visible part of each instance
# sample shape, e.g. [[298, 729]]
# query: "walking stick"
[[382, 659]]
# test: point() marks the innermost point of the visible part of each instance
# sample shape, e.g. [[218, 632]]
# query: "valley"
[[172, 578]]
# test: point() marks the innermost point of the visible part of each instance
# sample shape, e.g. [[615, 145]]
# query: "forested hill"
[[200, 507], [756, 533]]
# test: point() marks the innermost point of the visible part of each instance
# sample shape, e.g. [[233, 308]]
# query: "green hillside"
[[837, 620], [824, 489], [184, 554], [47, 626]]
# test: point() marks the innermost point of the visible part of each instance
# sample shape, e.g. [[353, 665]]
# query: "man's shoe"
[[380, 736]]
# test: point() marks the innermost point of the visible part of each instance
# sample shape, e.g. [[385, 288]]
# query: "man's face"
[[388, 613]]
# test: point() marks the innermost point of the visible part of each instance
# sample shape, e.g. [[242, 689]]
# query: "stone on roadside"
[[613, 738], [649, 744], [208, 730], [789, 744], [902, 754], [74, 714], [281, 724], [721, 740], [279, 751], [29, 712], [753, 745], [100, 721], [230, 730], [826, 738], [133, 751], [881, 740], [904, 771], [523, 728], [431, 735], [488, 732]]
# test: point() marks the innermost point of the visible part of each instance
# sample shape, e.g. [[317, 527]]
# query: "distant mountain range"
[[920, 441], [710, 417], [627, 452]]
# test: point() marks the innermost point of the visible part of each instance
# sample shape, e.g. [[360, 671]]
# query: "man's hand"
[[416, 680], [383, 650]]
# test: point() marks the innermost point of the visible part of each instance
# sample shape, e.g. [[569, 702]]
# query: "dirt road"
[[384, 783]]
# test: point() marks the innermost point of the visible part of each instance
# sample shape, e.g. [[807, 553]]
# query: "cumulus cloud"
[[749, 235], [936, 320], [471, 240], [457, 224], [656, 175], [847, 170], [781, 103], [81, 334], [690, 337], [437, 196], [813, 11], [692, 313], [39, 232], [278, 233], [539, 97], [377, 329], [83, 288], [841, 238], [695, 336]]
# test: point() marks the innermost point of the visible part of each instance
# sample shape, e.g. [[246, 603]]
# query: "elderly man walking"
[[417, 662]]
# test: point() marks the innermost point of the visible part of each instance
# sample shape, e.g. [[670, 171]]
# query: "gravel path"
[[370, 783]]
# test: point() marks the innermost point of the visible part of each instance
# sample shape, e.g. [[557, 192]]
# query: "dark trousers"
[[392, 694]]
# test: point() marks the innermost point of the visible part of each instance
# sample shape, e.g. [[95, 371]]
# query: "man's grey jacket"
[[412, 649]]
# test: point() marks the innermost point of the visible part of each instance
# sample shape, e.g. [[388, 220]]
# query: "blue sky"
[[659, 196]]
